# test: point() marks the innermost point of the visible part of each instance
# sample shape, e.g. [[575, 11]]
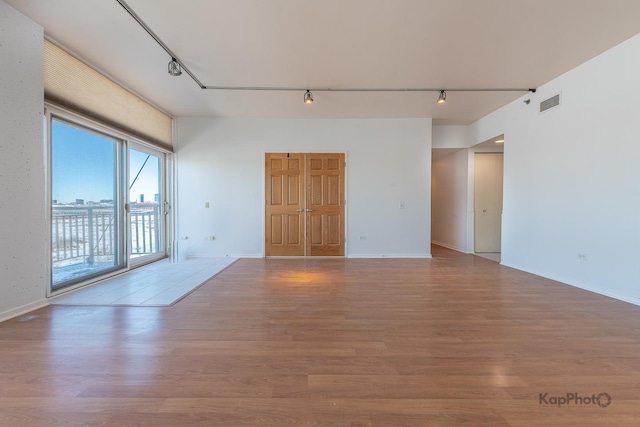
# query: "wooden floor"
[[453, 341]]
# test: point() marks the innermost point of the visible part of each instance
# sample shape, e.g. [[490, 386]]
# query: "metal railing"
[[82, 234], [145, 230]]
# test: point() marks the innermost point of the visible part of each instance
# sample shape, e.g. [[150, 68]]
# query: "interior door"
[[304, 204], [284, 204], [488, 178], [325, 204]]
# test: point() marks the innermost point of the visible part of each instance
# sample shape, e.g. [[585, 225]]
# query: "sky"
[[83, 167]]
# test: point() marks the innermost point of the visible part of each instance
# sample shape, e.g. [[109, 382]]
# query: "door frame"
[[264, 197]]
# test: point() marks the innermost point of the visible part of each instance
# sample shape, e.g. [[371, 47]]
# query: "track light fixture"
[[174, 68], [443, 97], [308, 97]]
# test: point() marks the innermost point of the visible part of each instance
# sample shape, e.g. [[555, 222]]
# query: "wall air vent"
[[550, 103]]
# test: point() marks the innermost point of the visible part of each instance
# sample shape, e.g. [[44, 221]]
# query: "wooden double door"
[[304, 204]]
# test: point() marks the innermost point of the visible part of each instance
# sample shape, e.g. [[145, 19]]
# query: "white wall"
[[446, 137], [221, 161], [23, 238], [572, 176], [449, 200]]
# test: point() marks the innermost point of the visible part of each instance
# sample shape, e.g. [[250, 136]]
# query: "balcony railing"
[[145, 229], [87, 234]]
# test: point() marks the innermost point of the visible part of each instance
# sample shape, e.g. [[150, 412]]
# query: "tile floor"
[[161, 283]]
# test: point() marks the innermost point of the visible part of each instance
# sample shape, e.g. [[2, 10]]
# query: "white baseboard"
[[411, 256], [19, 311], [201, 255], [631, 299], [453, 248]]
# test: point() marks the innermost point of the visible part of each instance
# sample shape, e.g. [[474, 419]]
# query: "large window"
[[107, 201], [86, 229]]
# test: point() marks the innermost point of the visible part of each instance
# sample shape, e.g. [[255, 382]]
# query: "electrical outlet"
[[401, 205], [206, 205], [582, 257], [363, 237]]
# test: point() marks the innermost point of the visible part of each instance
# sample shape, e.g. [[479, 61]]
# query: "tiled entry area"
[[161, 283]]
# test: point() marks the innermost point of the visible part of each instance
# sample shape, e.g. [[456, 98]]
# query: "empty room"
[[338, 213]]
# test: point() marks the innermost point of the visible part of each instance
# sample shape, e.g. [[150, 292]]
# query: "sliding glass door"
[[146, 206], [86, 195], [107, 201]]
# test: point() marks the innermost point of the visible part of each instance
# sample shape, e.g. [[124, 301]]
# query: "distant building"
[[156, 198], [79, 201], [141, 198]]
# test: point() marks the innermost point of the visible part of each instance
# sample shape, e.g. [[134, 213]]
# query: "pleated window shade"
[[72, 83]]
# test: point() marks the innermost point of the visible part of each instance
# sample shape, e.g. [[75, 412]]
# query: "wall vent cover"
[[550, 103]]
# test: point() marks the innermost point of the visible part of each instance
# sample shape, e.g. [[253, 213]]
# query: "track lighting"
[[308, 97], [174, 68]]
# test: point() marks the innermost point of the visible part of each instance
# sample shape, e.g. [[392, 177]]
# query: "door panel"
[[315, 228], [325, 206], [284, 205], [334, 228], [488, 174]]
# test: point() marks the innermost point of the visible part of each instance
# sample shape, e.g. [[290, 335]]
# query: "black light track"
[[154, 36]]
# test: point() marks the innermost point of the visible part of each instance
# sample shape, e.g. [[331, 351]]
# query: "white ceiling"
[[337, 44]]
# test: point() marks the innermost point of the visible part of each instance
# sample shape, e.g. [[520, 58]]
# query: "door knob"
[[299, 210], [309, 210]]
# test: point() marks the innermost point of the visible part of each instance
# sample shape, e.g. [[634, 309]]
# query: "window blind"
[[73, 84]]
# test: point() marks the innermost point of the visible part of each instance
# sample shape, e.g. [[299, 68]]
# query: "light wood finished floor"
[[453, 341]]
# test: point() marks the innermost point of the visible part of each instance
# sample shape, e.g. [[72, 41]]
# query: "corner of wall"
[[22, 224]]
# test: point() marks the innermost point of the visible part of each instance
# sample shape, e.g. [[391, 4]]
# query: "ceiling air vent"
[[550, 103]]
